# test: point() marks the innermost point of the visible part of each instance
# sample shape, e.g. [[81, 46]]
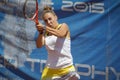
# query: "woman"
[[56, 38]]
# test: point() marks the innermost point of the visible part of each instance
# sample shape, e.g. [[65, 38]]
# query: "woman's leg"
[[73, 78]]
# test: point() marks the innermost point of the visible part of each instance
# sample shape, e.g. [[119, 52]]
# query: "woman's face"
[[50, 20]]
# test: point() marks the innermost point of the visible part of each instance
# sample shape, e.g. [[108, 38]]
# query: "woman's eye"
[[50, 18], [45, 20]]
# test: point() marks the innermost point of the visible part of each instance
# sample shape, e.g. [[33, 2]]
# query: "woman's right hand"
[[40, 27]]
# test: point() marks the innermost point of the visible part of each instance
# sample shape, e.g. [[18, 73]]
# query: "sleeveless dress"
[[60, 61]]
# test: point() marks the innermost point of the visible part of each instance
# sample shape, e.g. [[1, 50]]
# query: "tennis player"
[[59, 65]]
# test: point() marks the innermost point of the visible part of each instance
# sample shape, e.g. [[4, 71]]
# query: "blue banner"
[[95, 35]]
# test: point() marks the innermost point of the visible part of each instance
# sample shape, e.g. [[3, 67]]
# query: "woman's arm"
[[61, 32], [40, 39]]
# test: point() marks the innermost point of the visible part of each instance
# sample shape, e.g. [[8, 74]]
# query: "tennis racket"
[[30, 10]]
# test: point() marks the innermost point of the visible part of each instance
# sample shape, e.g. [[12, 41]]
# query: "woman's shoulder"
[[66, 28], [64, 24]]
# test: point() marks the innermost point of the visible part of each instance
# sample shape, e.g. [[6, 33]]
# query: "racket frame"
[[35, 16]]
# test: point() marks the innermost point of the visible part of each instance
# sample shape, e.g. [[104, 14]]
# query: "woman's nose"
[[48, 21]]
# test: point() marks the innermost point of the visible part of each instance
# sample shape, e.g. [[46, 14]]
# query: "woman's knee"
[[73, 78]]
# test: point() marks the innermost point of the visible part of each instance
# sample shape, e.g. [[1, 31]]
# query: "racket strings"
[[30, 9]]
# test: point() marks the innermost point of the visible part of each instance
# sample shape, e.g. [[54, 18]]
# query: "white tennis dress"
[[59, 64], [59, 52]]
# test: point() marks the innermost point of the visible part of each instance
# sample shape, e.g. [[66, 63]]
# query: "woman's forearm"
[[40, 41]]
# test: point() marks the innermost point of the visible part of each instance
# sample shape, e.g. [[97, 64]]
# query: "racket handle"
[[36, 21]]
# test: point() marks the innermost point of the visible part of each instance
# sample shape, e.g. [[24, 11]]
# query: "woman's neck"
[[56, 25]]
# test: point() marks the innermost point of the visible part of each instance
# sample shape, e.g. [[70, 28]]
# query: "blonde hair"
[[47, 9]]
